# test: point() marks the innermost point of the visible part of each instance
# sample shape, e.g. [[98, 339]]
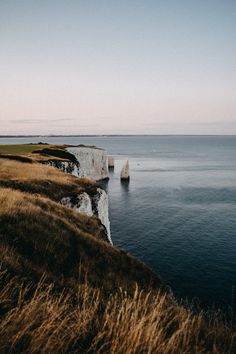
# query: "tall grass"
[[45, 321]]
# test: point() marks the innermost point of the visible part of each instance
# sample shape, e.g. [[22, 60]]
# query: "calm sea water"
[[178, 214]]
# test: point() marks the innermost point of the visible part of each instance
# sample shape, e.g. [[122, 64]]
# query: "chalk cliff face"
[[96, 205], [82, 203], [93, 162], [65, 166], [102, 210]]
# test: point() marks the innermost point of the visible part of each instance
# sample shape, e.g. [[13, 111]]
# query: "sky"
[[117, 67]]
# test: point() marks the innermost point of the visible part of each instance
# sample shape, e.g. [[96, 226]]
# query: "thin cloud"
[[62, 119], [26, 121], [39, 121]]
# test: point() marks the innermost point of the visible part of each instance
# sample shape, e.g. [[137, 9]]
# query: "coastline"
[[55, 252]]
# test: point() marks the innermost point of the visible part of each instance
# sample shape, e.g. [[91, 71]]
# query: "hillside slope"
[[55, 238]]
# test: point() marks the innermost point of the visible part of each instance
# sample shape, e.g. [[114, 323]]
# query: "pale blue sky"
[[118, 67]]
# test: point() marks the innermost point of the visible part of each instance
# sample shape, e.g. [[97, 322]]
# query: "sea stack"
[[124, 175], [111, 163]]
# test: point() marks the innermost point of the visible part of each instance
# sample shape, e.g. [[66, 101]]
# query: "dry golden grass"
[[16, 170], [46, 321], [42, 179], [42, 322], [148, 323]]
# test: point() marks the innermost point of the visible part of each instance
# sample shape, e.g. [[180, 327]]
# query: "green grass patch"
[[21, 148]]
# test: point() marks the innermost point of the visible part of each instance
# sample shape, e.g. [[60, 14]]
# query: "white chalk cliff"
[[93, 162], [82, 204], [65, 166], [101, 201], [96, 205]]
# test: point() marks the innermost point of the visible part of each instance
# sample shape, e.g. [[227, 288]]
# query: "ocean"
[[178, 213]]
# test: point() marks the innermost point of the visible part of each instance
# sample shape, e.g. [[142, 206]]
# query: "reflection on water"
[[111, 169], [125, 186]]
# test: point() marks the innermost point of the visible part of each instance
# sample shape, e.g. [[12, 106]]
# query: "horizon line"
[[100, 135]]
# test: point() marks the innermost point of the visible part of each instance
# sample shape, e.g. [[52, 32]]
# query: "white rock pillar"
[[111, 163], [124, 175]]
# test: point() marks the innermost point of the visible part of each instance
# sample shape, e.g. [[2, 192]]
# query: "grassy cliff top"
[[22, 149], [36, 152], [40, 151]]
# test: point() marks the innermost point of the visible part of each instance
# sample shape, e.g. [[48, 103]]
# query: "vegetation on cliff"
[[64, 289]]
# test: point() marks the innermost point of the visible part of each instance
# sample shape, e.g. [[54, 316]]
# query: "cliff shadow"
[[103, 184]]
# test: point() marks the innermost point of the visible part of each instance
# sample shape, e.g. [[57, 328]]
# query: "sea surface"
[[178, 213]]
